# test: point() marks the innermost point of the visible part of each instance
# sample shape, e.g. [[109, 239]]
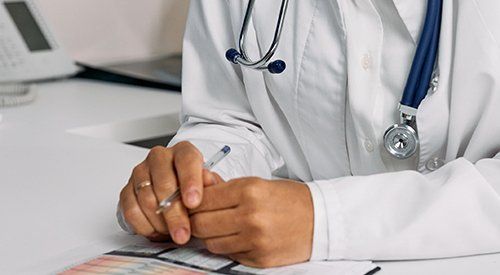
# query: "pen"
[[209, 164]]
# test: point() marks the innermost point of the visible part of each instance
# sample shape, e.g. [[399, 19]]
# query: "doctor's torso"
[[347, 64]]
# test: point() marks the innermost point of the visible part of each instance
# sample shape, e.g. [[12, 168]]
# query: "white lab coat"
[[279, 125]]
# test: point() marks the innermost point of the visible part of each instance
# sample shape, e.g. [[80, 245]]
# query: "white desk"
[[59, 189], [62, 165]]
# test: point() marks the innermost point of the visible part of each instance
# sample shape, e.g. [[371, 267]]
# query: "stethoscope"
[[241, 57], [400, 140]]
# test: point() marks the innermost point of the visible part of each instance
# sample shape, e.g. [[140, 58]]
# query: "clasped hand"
[[257, 222]]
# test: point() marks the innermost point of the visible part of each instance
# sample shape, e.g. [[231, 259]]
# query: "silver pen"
[[209, 164]]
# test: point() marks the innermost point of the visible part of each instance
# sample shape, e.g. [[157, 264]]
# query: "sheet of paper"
[[87, 251], [110, 264], [167, 258]]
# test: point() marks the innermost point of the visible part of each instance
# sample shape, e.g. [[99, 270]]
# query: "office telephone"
[[28, 51]]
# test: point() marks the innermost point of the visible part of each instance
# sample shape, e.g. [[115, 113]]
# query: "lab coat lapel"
[[295, 33], [411, 15], [273, 95]]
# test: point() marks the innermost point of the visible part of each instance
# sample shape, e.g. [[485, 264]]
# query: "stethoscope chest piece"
[[401, 141]]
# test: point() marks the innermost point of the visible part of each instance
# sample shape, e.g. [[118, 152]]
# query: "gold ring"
[[141, 185]]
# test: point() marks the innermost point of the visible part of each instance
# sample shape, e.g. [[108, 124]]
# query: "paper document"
[[167, 258]]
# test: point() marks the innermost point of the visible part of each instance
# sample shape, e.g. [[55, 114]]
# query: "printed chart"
[[167, 258], [110, 264]]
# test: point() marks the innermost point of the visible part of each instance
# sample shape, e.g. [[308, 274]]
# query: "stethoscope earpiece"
[[400, 140], [276, 67], [242, 58], [232, 55]]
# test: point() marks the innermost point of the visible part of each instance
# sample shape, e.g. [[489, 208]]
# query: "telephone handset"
[[28, 51]]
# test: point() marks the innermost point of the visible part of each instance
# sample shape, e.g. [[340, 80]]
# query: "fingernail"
[[193, 197], [180, 235]]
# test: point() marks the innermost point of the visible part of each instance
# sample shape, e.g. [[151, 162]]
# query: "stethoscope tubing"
[[241, 57], [400, 140], [431, 60], [425, 56]]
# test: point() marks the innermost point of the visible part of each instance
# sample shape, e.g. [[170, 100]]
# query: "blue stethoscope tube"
[[422, 67], [401, 140]]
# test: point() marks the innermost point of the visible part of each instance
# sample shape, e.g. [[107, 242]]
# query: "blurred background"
[[130, 42], [113, 31]]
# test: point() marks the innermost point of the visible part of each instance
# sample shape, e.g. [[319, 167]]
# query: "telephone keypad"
[[10, 56]]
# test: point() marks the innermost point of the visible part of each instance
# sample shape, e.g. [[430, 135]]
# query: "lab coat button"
[[434, 85], [369, 146], [366, 61], [434, 164]]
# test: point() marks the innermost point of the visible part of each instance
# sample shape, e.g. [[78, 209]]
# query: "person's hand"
[[260, 223], [157, 177]]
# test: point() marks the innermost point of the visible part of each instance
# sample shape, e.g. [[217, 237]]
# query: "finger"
[[178, 222], [157, 238], [164, 179], [219, 196], [233, 244], [133, 214], [208, 178], [211, 178], [147, 199], [189, 166], [217, 178], [215, 224], [162, 173]]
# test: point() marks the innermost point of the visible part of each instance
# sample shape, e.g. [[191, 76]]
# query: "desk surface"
[[63, 164], [60, 183]]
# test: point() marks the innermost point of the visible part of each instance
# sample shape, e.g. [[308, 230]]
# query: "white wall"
[[107, 31]]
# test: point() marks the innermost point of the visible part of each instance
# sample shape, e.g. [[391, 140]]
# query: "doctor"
[[319, 125]]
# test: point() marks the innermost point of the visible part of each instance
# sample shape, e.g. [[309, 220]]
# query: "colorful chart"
[[111, 264], [168, 258]]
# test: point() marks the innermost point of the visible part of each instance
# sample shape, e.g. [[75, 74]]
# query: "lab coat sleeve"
[[453, 211], [215, 110]]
